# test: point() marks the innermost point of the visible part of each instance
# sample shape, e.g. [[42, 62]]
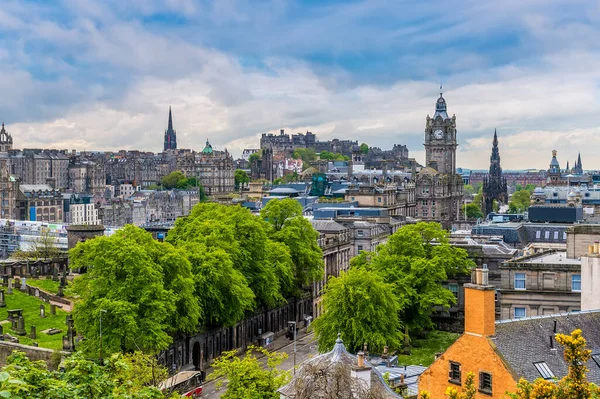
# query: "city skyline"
[[101, 76]]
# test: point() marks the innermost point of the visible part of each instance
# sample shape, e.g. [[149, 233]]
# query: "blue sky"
[[96, 75]]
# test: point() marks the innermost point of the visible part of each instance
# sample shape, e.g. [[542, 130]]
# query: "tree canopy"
[[364, 148], [177, 179], [519, 201], [241, 178], [307, 155], [362, 307], [133, 376], [145, 287], [246, 376], [473, 211], [328, 155]]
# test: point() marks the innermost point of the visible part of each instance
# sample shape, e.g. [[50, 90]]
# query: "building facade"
[[6, 140], [39, 203]]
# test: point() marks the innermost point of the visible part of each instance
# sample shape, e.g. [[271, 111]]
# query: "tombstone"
[[42, 311], [1, 329], [60, 292], [21, 326], [13, 324], [68, 320], [52, 309], [2, 302], [63, 282], [5, 279], [10, 286], [16, 282], [37, 293], [66, 343], [24, 284], [54, 273], [64, 274], [33, 334], [35, 272]]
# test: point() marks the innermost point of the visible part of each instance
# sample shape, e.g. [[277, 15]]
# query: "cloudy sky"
[[100, 75]]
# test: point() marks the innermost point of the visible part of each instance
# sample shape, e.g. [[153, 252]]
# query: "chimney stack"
[[480, 309]]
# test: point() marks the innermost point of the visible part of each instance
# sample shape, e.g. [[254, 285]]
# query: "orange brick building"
[[500, 353]]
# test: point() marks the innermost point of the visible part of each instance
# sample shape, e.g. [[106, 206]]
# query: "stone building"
[[6, 140], [284, 144], [81, 210], [334, 240], [39, 202], [214, 169], [539, 284], [439, 188], [34, 166], [398, 199], [494, 185], [9, 188], [87, 176]]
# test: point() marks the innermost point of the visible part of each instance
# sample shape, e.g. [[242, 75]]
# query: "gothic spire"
[[170, 135], [495, 157], [579, 166], [568, 167], [170, 120]]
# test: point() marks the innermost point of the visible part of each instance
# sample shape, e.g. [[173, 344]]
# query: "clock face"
[[438, 134]]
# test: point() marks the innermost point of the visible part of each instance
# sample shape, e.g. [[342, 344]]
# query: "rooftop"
[[559, 257]]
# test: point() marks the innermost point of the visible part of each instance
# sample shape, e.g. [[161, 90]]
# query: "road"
[[306, 347]]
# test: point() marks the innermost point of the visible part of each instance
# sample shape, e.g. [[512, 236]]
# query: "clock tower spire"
[[440, 139]]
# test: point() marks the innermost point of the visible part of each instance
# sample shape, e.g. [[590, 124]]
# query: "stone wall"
[[32, 352]]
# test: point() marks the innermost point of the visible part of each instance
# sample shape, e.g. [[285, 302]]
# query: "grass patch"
[[423, 350], [31, 313], [45, 284]]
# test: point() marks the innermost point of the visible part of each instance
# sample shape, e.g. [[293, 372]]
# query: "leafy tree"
[[246, 377], [469, 189], [133, 376], [363, 308], [306, 154], [276, 212], [364, 148], [144, 286], [519, 201], [173, 179], [469, 391], [255, 157], [473, 211], [241, 178], [242, 236], [415, 261], [328, 155], [572, 386], [43, 247]]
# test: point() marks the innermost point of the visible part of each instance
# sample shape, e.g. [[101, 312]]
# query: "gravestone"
[[54, 273], [52, 309], [10, 286], [21, 326], [33, 334], [63, 282], [2, 301], [60, 292], [24, 284], [17, 282], [35, 272], [1, 329], [42, 311], [5, 279], [37, 293]]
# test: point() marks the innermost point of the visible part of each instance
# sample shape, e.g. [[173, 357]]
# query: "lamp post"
[[294, 324], [101, 311]]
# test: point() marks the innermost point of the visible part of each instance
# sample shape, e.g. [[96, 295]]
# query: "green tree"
[[519, 201], [362, 308], [255, 157], [473, 211], [144, 286], [276, 212], [241, 178], [469, 189], [133, 376], [173, 179], [364, 148], [246, 377], [306, 154], [43, 247], [415, 261], [242, 236]]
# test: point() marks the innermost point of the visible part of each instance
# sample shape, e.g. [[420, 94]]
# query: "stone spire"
[[578, 165], [494, 185], [170, 135]]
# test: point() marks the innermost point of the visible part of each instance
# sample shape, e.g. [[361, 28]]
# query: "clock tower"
[[440, 140]]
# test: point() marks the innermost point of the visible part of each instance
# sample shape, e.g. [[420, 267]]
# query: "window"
[[454, 373], [538, 234], [424, 202], [596, 358], [360, 248], [519, 281], [485, 382], [565, 235], [544, 370], [556, 235], [520, 313], [454, 289], [378, 199], [359, 233], [576, 282], [546, 235]]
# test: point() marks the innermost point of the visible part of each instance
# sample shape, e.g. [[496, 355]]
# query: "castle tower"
[[554, 170], [170, 135], [6, 141], [494, 185]]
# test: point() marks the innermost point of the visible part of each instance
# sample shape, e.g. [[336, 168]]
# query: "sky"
[[101, 75]]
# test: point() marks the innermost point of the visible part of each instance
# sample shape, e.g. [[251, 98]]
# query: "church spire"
[[170, 135]]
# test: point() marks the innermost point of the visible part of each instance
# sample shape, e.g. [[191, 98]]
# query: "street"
[[306, 348]]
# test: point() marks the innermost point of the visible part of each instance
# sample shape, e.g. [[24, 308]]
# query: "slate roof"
[[327, 225], [525, 341]]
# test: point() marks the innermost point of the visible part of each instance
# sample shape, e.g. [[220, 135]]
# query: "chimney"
[[361, 372], [480, 310]]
